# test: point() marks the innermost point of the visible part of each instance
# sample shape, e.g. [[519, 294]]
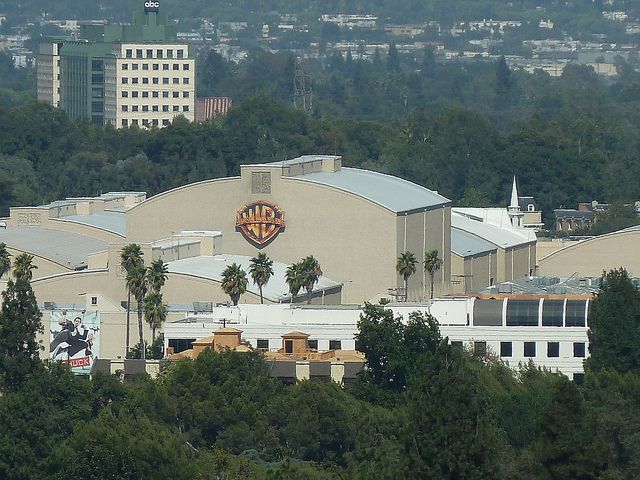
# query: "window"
[[96, 64], [176, 108], [97, 107], [134, 80], [578, 350], [165, 80], [125, 80], [145, 108], [134, 66], [97, 79], [139, 53], [480, 348], [159, 53], [335, 345], [529, 349], [125, 122], [165, 66], [165, 122], [128, 53], [145, 94], [262, 344], [94, 300], [576, 311], [134, 122], [165, 108], [134, 108], [185, 94], [288, 347], [487, 313], [176, 81], [154, 108], [185, 66], [145, 122], [165, 94], [185, 80], [145, 66], [155, 80], [149, 53], [578, 378], [97, 92], [170, 53], [180, 344], [553, 349], [145, 80], [313, 344], [154, 122], [176, 94], [552, 312], [531, 207], [134, 94], [522, 313], [180, 53], [506, 349], [185, 108], [176, 66], [125, 108], [125, 66], [125, 94], [154, 94], [156, 66]]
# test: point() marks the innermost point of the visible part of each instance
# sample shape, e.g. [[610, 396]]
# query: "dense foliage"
[[423, 409]]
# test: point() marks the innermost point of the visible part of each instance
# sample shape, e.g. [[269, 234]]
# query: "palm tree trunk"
[[128, 320], [140, 333], [431, 287], [406, 289], [153, 333], [261, 298]]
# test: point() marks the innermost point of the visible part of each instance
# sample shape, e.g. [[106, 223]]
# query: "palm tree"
[[137, 285], [293, 277], [23, 267], [432, 263], [157, 275], [130, 258], [234, 282], [5, 261], [406, 266], [261, 269], [311, 273], [155, 311]]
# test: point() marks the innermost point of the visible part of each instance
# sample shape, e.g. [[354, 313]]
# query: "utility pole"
[[302, 94]]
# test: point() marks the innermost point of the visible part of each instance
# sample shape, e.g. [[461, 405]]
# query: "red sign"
[[78, 362], [260, 222]]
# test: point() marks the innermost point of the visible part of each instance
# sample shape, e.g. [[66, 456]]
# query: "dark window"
[[154, 94], [165, 66], [97, 119], [97, 107], [335, 345], [165, 81], [145, 94], [487, 313], [529, 349], [522, 313], [145, 80], [185, 66], [176, 94], [97, 92], [506, 349], [185, 108], [185, 81], [145, 108], [288, 346], [134, 121], [186, 95], [94, 300], [176, 108], [165, 122], [578, 350], [176, 66], [134, 66], [578, 378], [156, 66], [96, 64], [180, 53], [553, 349], [125, 122], [165, 108], [134, 94], [145, 66], [170, 53], [134, 108], [159, 53], [128, 53], [149, 53], [176, 81], [480, 348], [125, 66], [154, 108], [139, 53], [125, 80], [576, 310], [313, 344], [181, 344], [125, 108], [552, 311], [156, 80], [97, 79], [125, 94], [165, 94], [262, 344], [134, 80]]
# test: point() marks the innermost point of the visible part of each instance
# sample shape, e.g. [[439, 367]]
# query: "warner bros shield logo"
[[260, 222]]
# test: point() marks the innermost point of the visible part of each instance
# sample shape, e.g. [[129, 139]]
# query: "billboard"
[[75, 339], [151, 6]]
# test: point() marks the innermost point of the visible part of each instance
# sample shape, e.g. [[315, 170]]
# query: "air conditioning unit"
[[49, 305]]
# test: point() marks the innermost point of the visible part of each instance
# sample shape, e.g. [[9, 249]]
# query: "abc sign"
[[151, 6]]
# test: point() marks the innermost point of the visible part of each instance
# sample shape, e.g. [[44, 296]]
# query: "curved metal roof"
[[466, 244]]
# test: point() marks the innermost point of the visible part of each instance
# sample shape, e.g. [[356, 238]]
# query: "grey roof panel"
[[66, 248], [501, 237], [466, 244], [113, 222], [391, 192]]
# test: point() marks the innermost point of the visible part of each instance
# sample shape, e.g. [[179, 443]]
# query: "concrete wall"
[[44, 266], [592, 257]]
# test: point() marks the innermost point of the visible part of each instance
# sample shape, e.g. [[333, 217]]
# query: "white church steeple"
[[515, 214]]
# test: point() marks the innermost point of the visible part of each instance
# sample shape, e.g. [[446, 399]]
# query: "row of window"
[[156, 66], [154, 108], [155, 80], [529, 349], [154, 94], [157, 53], [147, 123], [263, 344]]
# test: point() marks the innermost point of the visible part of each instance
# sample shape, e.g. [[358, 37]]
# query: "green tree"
[[310, 273], [23, 267], [393, 59], [157, 275], [137, 285], [5, 260], [504, 82], [406, 266], [130, 259], [261, 270], [293, 277], [614, 324], [155, 312], [234, 282], [432, 263]]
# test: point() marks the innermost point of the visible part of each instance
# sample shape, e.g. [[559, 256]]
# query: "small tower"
[[515, 214]]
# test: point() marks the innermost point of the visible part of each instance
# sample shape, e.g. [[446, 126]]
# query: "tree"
[[5, 260], [504, 82], [157, 275], [310, 273], [432, 263], [293, 277], [130, 258], [614, 324], [137, 285], [261, 270], [234, 282], [406, 266], [23, 267], [393, 59], [155, 312], [19, 324]]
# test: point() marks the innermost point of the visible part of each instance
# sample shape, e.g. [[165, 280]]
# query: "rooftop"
[[504, 237], [65, 248], [466, 244], [111, 221]]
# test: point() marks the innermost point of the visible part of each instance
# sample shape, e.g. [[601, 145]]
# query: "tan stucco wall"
[[353, 239], [479, 270], [546, 246], [44, 266], [592, 257]]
